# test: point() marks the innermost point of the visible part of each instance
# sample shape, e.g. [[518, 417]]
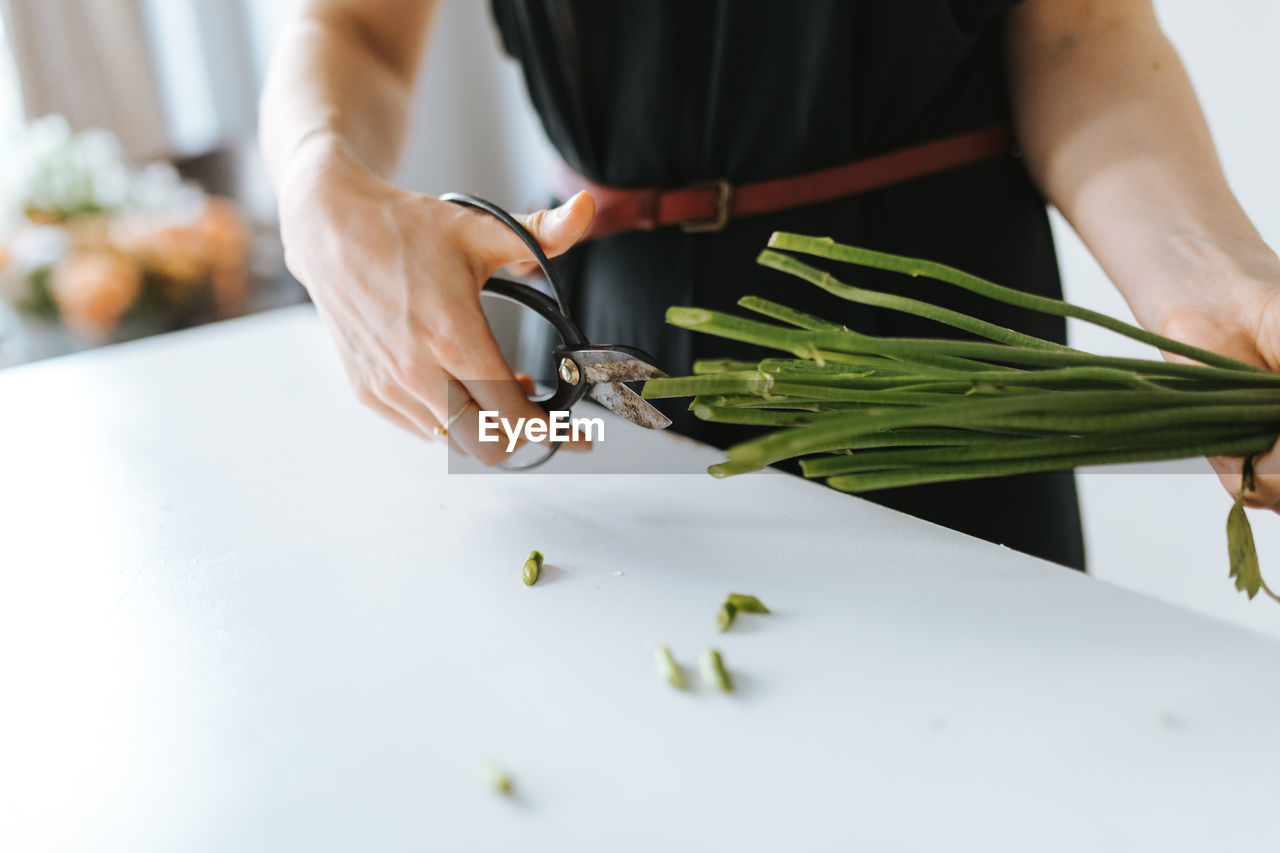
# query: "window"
[[10, 98]]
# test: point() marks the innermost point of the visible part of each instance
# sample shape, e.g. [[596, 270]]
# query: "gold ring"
[[454, 417], [440, 432]]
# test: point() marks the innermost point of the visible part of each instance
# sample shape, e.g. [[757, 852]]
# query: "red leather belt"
[[709, 205]]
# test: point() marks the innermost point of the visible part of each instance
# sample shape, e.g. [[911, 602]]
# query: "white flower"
[[157, 187], [30, 248], [54, 169]]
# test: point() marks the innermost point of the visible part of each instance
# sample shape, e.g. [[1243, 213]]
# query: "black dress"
[[666, 92]]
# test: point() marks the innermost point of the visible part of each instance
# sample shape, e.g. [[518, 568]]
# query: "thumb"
[[556, 231]]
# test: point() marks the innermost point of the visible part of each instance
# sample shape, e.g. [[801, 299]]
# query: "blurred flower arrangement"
[[101, 245]]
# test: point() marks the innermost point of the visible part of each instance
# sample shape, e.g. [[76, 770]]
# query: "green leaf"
[[1244, 557]]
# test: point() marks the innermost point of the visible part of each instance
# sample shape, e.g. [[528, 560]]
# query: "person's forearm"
[[1115, 138], [339, 81]]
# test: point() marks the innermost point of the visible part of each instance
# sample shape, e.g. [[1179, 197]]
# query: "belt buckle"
[[724, 200]]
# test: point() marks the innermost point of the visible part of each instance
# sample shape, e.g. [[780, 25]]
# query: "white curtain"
[[90, 61]]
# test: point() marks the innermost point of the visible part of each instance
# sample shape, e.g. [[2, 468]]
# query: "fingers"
[[406, 328], [406, 411], [459, 411], [464, 435], [463, 425], [411, 409], [1266, 478], [465, 432], [476, 361], [493, 245], [1266, 468], [383, 394], [398, 405], [579, 445], [418, 391], [509, 398], [366, 388], [1229, 470], [395, 417], [521, 270]]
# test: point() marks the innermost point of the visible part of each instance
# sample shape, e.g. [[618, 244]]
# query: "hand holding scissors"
[[583, 369]]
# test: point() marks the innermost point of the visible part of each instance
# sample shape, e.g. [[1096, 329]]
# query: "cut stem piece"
[[532, 568], [714, 674], [724, 618], [667, 668], [747, 603]]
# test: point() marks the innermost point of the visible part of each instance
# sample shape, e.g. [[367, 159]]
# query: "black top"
[[667, 92]]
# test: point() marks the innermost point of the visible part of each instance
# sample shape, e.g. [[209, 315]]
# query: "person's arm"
[[395, 276], [1114, 136], [339, 78]]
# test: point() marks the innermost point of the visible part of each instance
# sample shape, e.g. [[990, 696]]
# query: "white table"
[[238, 612]]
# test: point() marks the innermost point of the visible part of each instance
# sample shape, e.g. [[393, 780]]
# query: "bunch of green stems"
[[870, 412]]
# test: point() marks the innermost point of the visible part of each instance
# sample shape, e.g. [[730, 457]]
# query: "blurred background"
[[132, 201]]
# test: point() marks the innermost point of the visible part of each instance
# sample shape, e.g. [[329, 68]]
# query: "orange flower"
[[90, 231], [166, 250], [182, 254], [230, 290], [94, 288], [225, 235]]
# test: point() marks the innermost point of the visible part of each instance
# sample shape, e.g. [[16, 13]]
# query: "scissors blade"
[[603, 365], [621, 400]]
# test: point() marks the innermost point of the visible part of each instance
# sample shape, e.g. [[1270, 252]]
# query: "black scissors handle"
[[554, 310], [580, 366], [571, 337], [553, 277]]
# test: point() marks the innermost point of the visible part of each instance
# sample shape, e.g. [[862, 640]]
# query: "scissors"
[[583, 369]]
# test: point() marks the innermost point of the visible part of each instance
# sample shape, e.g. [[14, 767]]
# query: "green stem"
[[721, 365], [1017, 448], [892, 302], [752, 417], [798, 343], [825, 247], [980, 470], [1065, 378], [944, 353], [736, 382], [787, 315], [746, 401], [1046, 422], [879, 397], [867, 366], [919, 437], [1069, 377], [1068, 411], [928, 351]]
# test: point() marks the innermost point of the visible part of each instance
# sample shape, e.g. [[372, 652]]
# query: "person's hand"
[[1239, 318], [396, 279]]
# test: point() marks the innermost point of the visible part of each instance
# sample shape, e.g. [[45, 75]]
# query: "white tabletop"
[[237, 612]]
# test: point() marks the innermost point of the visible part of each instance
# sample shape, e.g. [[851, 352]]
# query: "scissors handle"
[[554, 310], [571, 384], [566, 393]]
